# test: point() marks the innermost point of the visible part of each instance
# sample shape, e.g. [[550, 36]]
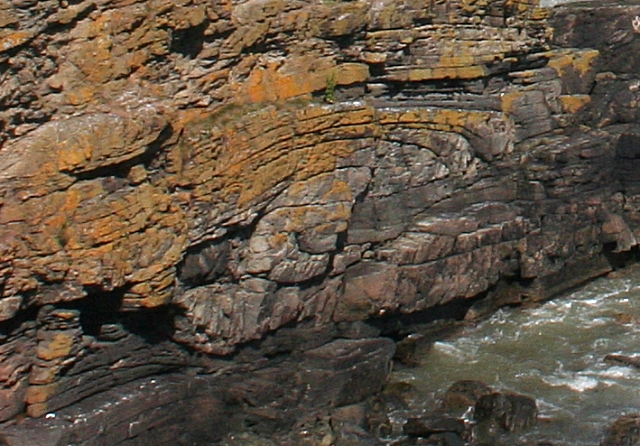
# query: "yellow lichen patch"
[[339, 191], [509, 100], [278, 240], [152, 299], [37, 410], [151, 294], [12, 39], [236, 161], [540, 13], [582, 61], [297, 76], [323, 156], [40, 393], [470, 6], [585, 61], [441, 119], [456, 71], [274, 82], [574, 103], [81, 94], [43, 375], [267, 176], [58, 347], [419, 74], [519, 5], [299, 218], [351, 73], [94, 59], [74, 155], [457, 61]]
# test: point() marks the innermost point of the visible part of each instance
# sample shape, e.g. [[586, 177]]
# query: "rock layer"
[[179, 180]]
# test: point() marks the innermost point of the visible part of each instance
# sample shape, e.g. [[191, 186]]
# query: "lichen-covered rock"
[[180, 181]]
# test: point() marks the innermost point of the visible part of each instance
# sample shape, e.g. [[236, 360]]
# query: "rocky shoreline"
[[222, 196]]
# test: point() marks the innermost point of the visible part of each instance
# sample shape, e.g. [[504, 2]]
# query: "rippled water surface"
[[554, 353], [555, 2]]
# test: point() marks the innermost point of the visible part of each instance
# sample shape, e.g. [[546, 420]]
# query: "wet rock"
[[625, 431], [354, 414], [429, 425], [446, 439], [347, 371], [268, 399], [357, 329], [510, 411], [464, 394], [246, 439], [378, 413], [624, 360], [353, 435], [406, 349]]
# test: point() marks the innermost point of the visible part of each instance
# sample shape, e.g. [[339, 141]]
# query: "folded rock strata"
[[180, 182]]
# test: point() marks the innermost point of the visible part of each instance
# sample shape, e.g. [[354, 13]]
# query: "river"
[[555, 2], [554, 353]]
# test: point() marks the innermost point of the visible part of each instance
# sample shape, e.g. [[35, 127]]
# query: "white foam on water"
[[545, 406], [548, 410], [547, 311], [597, 301], [588, 322], [617, 372], [554, 353], [576, 383], [448, 349], [556, 319]]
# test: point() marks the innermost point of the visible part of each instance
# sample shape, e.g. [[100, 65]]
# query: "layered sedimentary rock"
[[181, 182]]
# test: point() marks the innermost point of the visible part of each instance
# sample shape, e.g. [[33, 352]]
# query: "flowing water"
[[555, 2], [554, 353]]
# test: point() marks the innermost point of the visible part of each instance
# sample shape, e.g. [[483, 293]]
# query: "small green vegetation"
[[330, 89]]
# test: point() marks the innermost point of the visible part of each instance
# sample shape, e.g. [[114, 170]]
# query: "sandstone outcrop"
[[183, 182]]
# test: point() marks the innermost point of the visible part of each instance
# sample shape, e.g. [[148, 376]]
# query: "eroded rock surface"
[[182, 183]]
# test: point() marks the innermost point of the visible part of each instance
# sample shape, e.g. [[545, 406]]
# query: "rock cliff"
[[190, 188]]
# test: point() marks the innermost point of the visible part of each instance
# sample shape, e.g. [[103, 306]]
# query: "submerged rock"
[[406, 349], [625, 360], [429, 425], [246, 439], [465, 393], [625, 431]]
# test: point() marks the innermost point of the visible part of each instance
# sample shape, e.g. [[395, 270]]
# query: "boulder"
[[430, 425], [625, 431], [464, 394], [510, 411]]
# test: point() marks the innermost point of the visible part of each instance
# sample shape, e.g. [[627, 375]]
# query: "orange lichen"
[[574, 103], [58, 347]]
